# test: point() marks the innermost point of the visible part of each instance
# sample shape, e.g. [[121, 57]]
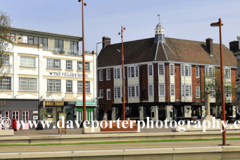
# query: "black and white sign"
[[68, 74]]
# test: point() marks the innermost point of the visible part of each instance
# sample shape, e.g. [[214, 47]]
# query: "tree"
[[212, 81], [5, 43]]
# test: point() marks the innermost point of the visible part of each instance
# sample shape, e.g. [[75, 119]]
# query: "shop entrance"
[[89, 114], [69, 110], [161, 114]]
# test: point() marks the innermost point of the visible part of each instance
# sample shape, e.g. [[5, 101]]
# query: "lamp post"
[[83, 63], [219, 24], [123, 77]]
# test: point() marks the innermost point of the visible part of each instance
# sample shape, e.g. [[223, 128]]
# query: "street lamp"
[[219, 24], [123, 79], [83, 63]]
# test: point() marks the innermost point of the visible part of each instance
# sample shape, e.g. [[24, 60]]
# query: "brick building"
[[163, 77]]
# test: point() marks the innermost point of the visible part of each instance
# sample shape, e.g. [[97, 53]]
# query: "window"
[[150, 70], [54, 63], [172, 90], [69, 86], [133, 91], [117, 73], [228, 91], [58, 43], [80, 66], [12, 36], [87, 66], [80, 86], [100, 75], [150, 90], [197, 73], [101, 93], [161, 69], [132, 71], [209, 71], [74, 47], [5, 83], [5, 59], [108, 94], [171, 69], [161, 90], [28, 84], [186, 70], [117, 92], [69, 65], [212, 91], [227, 73], [37, 41], [27, 61], [197, 92], [53, 85], [186, 90], [108, 74]]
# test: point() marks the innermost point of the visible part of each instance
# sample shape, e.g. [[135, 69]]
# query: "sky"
[[183, 19]]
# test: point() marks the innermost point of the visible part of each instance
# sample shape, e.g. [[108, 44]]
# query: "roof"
[[180, 50], [28, 31]]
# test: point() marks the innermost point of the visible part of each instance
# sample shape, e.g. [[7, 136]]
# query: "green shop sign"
[[87, 103]]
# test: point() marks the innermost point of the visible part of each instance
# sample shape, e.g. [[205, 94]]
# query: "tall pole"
[[83, 62], [222, 84], [220, 24], [123, 77]]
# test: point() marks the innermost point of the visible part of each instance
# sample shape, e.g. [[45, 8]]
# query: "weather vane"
[[159, 17]]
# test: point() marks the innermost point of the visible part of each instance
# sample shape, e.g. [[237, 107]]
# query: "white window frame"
[[100, 75], [108, 74], [171, 70], [27, 61], [133, 71], [197, 72], [69, 86], [163, 71], [108, 96], [52, 63], [184, 90], [6, 83], [101, 93], [161, 95], [152, 87], [68, 64], [118, 73], [28, 85], [150, 69], [172, 86], [198, 94], [133, 91], [56, 85], [116, 94], [207, 71], [80, 86], [229, 73], [186, 70]]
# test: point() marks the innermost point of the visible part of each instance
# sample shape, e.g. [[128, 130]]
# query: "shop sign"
[[68, 74], [87, 103], [2, 103], [54, 103]]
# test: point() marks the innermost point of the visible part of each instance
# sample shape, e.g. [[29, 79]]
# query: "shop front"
[[90, 111], [22, 110], [49, 111]]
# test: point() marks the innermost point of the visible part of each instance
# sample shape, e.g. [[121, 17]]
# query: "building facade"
[[45, 77], [163, 78]]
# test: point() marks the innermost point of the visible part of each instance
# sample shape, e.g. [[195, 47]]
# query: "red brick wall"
[[233, 80], [195, 82], [104, 103], [202, 81], [177, 83], [143, 82], [167, 82], [156, 97]]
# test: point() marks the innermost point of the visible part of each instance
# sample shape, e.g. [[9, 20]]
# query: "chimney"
[[106, 41], [209, 45], [234, 46]]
